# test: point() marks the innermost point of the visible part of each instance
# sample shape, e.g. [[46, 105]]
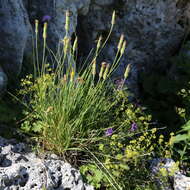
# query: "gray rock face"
[[13, 36], [23, 170], [56, 10], [16, 21], [151, 28]]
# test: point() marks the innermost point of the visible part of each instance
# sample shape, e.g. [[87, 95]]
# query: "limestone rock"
[[23, 170], [181, 182], [56, 11], [13, 36], [151, 28]]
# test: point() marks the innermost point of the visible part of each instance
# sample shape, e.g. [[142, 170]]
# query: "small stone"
[[179, 181]]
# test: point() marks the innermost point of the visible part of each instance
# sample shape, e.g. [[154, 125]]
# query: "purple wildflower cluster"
[[46, 18], [109, 132], [119, 84], [134, 127]]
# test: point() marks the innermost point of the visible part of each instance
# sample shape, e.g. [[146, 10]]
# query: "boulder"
[[14, 32], [22, 169], [181, 182]]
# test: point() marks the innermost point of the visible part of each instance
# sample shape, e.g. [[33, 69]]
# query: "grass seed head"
[[120, 42], [106, 72], [99, 43], [102, 69], [66, 43], [127, 70], [65, 78], [36, 26], [67, 21], [45, 30], [75, 44], [72, 75], [113, 18], [94, 67], [123, 47]]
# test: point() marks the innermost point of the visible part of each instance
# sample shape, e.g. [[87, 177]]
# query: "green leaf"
[[180, 138], [186, 127], [37, 127], [124, 166]]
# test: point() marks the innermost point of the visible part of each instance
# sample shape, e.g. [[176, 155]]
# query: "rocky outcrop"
[[14, 32], [23, 170], [153, 29]]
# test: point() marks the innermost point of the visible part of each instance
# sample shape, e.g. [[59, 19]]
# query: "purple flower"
[[46, 18], [109, 132], [119, 84], [133, 127]]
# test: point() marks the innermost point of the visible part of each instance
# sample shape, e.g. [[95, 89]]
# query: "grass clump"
[[68, 109]]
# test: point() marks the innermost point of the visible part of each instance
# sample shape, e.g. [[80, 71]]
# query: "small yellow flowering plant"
[[128, 145]]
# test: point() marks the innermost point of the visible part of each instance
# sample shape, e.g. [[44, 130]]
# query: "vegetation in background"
[[160, 90], [166, 94]]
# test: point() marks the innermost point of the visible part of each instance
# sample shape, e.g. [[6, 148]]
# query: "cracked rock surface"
[[21, 169]]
